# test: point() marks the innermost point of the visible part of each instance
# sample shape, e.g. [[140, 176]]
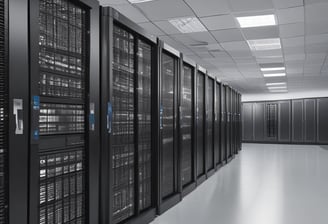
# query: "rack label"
[[161, 110], [36, 102], [109, 117]]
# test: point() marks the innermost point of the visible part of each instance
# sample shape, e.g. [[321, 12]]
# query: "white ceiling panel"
[[317, 39], [291, 30], [195, 39], [219, 22], [235, 54], [293, 50], [131, 12], [293, 42], [316, 48], [152, 29], [319, 27], [251, 5], [315, 58], [281, 4], [268, 54], [209, 7], [316, 12], [167, 27], [294, 57], [228, 35], [291, 15], [261, 32], [112, 2], [165, 9], [235, 46], [270, 60]]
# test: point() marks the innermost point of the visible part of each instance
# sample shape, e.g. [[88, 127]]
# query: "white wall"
[[283, 96]]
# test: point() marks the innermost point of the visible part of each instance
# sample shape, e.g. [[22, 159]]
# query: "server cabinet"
[[248, 121], [169, 189], [235, 119], [187, 130], [64, 80], [223, 124], [4, 112], [271, 119], [284, 121], [322, 120], [297, 121], [200, 126], [310, 121], [210, 154], [229, 124], [217, 126], [240, 126], [259, 122], [128, 155]]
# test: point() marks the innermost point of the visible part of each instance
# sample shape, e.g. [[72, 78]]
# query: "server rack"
[[200, 125], [4, 111], [64, 77], [322, 121], [240, 124], [217, 133], [128, 170], [187, 129], [297, 121], [284, 121], [310, 124], [224, 124], [167, 110], [210, 115], [229, 125]]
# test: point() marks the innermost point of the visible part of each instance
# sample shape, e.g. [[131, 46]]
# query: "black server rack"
[[128, 155], [259, 121], [247, 122], [240, 125], [284, 121], [4, 112], [210, 115], [217, 125], [169, 172], [187, 127], [297, 121], [271, 121], [229, 125], [64, 145], [223, 124], [322, 121], [200, 125], [234, 118], [310, 120]]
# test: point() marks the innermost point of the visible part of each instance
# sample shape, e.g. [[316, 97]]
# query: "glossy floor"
[[264, 184]]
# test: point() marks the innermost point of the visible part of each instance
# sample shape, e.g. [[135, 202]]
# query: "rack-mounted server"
[[128, 173], [210, 100]]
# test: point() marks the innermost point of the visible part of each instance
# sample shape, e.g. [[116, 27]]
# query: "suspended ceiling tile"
[[281, 4], [316, 48], [261, 32], [317, 39], [316, 12], [307, 2], [219, 22], [152, 29], [209, 7], [167, 27], [318, 27], [241, 54], [131, 12], [228, 35], [245, 60], [291, 30], [112, 2], [270, 60], [293, 50], [315, 58], [295, 57], [268, 54], [291, 15], [293, 42], [195, 39], [165, 9], [235, 46], [250, 5]]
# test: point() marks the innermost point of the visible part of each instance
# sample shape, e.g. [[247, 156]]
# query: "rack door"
[[223, 124], [217, 135], [229, 123], [200, 124], [259, 122], [186, 126], [284, 121], [322, 120], [297, 121], [310, 120], [4, 114], [210, 125]]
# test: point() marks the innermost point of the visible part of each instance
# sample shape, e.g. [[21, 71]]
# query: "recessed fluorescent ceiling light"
[[257, 21], [264, 44], [275, 84], [188, 25], [273, 69], [277, 87], [275, 75], [278, 91], [139, 1]]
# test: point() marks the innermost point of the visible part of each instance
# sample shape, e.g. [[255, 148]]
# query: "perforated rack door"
[[63, 99], [123, 130], [210, 125], [200, 124], [3, 114], [187, 126], [217, 136]]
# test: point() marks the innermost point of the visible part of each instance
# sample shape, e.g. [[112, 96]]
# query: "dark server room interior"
[[163, 111]]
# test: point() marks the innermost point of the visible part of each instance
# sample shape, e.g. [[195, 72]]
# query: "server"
[[217, 126], [200, 116], [62, 82], [128, 159], [210, 153], [223, 125], [187, 125], [228, 124]]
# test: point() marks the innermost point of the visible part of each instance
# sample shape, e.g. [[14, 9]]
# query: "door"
[[297, 121], [310, 121], [322, 122], [200, 124], [186, 125], [210, 125], [247, 122], [284, 121], [259, 122]]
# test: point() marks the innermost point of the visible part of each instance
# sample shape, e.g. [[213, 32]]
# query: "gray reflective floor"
[[265, 184]]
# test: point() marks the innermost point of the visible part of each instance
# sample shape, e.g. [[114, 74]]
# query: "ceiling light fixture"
[[257, 21], [279, 91], [264, 44], [277, 87], [275, 75], [275, 84], [139, 1], [273, 69], [188, 25]]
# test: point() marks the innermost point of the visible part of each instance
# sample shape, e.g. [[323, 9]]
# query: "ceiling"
[[302, 26]]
